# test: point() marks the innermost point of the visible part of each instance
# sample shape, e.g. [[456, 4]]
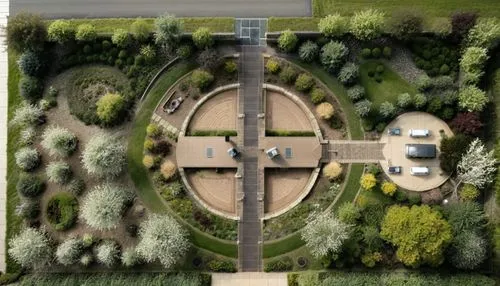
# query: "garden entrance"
[[251, 31]]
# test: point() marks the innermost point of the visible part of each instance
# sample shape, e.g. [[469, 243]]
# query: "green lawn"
[[14, 223], [139, 174], [106, 26], [277, 24], [440, 8], [391, 86], [352, 186]]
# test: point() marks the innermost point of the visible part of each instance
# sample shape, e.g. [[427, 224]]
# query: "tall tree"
[[477, 166], [168, 31]]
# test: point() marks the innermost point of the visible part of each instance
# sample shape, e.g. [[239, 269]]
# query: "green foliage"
[[308, 51], [432, 54], [282, 264], [230, 66], [26, 31], [387, 52], [349, 73], [29, 185], [472, 99], [387, 109], [213, 133], [184, 51], [30, 88], [469, 193], [272, 66], [406, 23], [333, 55], [472, 64], [452, 149], [140, 29], [363, 107], [288, 133], [304, 82], [31, 64], [202, 38], [366, 53], [59, 141], [333, 25], [76, 186], [168, 31], [404, 100], [121, 38], [86, 32], [201, 79], [110, 108], [484, 33], [28, 209], [148, 52], [59, 172], [221, 265], [287, 41], [27, 158], [288, 75], [349, 213], [367, 24], [420, 234], [30, 248], [317, 95], [419, 100], [153, 130], [62, 211], [356, 92]]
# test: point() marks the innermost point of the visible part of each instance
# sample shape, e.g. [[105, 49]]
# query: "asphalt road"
[[153, 8]]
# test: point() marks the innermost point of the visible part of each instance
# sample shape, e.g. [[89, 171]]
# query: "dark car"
[[394, 169], [420, 151]]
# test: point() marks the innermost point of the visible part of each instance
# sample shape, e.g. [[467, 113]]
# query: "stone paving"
[[249, 279], [4, 12]]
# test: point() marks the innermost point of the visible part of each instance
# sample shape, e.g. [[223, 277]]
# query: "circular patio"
[[394, 151]]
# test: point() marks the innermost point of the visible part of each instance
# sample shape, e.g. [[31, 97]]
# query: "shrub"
[[168, 169], [366, 53], [368, 181], [363, 107], [441, 27], [62, 211], [28, 209], [317, 95], [86, 32], [308, 51], [218, 265], [70, 251], [376, 53], [168, 31], [184, 51], [26, 31], [389, 188], [148, 52], [387, 109], [419, 100], [129, 257], [380, 69], [356, 92], [59, 141], [59, 172], [472, 99], [230, 66], [86, 259], [380, 127], [31, 64], [406, 23], [468, 123], [404, 100], [27, 158], [325, 235], [333, 55], [27, 136], [288, 75], [472, 64], [272, 66], [387, 52], [332, 170], [29, 185], [304, 82], [108, 253], [162, 238], [349, 73], [103, 207], [148, 161], [287, 41], [110, 108], [469, 193], [367, 24], [349, 213], [325, 110], [484, 33], [469, 250], [202, 38], [104, 156], [121, 38], [153, 130], [201, 79], [76, 186], [279, 265], [333, 25], [373, 169], [452, 149], [30, 248], [30, 88], [461, 23], [140, 30]]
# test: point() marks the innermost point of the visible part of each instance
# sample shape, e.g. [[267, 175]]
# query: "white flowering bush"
[[387, 109], [59, 141], [367, 24], [404, 100], [27, 158], [108, 253], [59, 172], [30, 248], [27, 136], [363, 107], [103, 207], [129, 257], [324, 234], [104, 156], [27, 115], [70, 251], [162, 238]]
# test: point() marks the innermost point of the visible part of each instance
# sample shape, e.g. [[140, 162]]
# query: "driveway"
[[152, 8]]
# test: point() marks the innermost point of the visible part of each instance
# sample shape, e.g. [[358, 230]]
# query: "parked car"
[[394, 169], [419, 133], [394, 131], [420, 171]]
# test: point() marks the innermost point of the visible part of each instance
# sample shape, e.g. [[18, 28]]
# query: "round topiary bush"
[[108, 253], [201, 79], [317, 95], [356, 92], [69, 251], [230, 66], [380, 69], [28, 209], [30, 88], [333, 55], [168, 169], [325, 110], [110, 109], [30, 185], [202, 38], [288, 75], [86, 32], [59, 172], [304, 82], [287, 41], [366, 53], [121, 38], [104, 155], [59, 141], [61, 31], [376, 53], [272, 66], [308, 51], [27, 158], [31, 64], [62, 211], [349, 73], [333, 170]]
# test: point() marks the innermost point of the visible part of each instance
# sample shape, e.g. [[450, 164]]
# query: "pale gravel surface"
[[4, 12]]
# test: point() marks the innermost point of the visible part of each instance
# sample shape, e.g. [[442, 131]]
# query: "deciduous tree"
[[324, 234]]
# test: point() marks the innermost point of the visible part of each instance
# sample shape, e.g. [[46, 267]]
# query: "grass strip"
[[140, 175], [278, 24]]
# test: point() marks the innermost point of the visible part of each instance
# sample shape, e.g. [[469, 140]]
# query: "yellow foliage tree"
[[389, 188], [368, 181], [332, 170], [325, 110]]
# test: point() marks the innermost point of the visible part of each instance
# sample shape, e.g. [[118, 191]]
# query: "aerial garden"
[[92, 181]]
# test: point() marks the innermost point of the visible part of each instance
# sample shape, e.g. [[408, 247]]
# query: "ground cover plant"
[[62, 211]]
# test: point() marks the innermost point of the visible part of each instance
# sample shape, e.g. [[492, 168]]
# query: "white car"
[[273, 152], [419, 133]]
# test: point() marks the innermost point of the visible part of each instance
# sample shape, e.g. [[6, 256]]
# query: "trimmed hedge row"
[[212, 133], [289, 133]]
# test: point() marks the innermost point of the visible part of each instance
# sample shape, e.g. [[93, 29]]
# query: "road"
[[152, 8]]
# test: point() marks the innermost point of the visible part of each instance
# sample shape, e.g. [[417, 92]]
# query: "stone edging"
[[193, 194], [305, 192], [202, 101], [153, 80], [303, 106]]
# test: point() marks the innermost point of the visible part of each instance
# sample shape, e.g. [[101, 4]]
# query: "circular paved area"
[[284, 114], [283, 187], [217, 113], [394, 151]]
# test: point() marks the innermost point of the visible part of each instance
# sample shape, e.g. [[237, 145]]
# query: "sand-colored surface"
[[394, 151], [283, 187], [284, 114], [218, 190], [217, 113]]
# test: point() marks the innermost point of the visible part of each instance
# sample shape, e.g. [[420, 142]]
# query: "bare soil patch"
[[283, 187]]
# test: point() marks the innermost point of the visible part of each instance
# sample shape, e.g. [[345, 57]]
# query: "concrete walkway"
[[249, 279], [4, 12]]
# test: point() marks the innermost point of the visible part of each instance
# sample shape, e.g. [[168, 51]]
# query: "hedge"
[[289, 133]]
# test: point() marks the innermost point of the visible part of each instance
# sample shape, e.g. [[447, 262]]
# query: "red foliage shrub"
[[468, 123], [461, 23]]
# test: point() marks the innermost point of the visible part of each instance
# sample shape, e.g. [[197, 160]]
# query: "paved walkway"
[[249, 279], [352, 151], [4, 12], [250, 233]]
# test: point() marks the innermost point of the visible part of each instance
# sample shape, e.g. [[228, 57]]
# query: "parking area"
[[394, 150]]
